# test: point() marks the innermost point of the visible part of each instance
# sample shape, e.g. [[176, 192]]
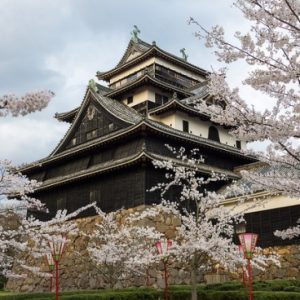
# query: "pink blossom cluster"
[[271, 49], [30, 102]]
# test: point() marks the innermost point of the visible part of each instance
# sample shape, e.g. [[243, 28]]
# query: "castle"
[[119, 129]]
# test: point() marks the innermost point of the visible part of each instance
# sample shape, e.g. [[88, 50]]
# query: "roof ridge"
[[119, 105], [152, 47], [132, 45], [147, 75]]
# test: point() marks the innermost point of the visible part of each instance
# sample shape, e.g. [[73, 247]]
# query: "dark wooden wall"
[[264, 223], [123, 188]]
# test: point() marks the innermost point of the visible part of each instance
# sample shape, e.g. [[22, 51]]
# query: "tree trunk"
[[194, 282]]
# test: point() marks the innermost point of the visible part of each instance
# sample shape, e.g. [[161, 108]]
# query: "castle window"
[[185, 126], [160, 99], [73, 141], [238, 144], [213, 134], [95, 196], [131, 77], [111, 126], [129, 99], [92, 134], [61, 203]]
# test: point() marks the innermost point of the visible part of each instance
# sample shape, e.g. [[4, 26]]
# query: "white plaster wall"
[[153, 90], [264, 202], [133, 55], [200, 128], [139, 96], [168, 119], [197, 127]]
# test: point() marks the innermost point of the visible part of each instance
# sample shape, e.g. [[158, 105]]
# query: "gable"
[[133, 53], [94, 122]]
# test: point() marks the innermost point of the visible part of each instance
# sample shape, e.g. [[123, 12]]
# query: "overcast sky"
[[60, 44]]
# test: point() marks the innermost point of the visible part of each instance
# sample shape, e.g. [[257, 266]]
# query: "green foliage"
[[263, 290], [3, 281], [269, 295]]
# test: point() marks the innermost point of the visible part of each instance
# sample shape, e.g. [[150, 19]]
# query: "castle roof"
[[176, 104], [145, 79], [110, 166], [145, 51], [135, 123]]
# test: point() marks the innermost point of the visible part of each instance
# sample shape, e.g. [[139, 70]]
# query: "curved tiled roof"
[[175, 103], [191, 137], [69, 116], [153, 50], [92, 171], [119, 110], [139, 46], [148, 78], [123, 162]]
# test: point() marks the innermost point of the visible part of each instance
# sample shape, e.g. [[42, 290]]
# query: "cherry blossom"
[[205, 237], [21, 106], [271, 49]]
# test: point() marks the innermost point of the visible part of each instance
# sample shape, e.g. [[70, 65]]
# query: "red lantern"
[[57, 247], [163, 247], [248, 243]]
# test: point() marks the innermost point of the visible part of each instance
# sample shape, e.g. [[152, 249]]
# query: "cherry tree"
[[205, 237], [271, 49], [28, 239], [121, 249], [15, 187], [12, 183]]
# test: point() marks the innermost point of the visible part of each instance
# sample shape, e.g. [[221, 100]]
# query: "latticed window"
[[185, 126], [92, 134], [95, 195], [61, 203], [213, 134], [129, 99]]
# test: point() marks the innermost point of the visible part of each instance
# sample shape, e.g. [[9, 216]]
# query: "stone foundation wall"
[[77, 271]]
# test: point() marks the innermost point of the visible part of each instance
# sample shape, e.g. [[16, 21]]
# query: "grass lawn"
[[263, 290]]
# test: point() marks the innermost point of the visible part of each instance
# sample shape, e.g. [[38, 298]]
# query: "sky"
[[61, 44]]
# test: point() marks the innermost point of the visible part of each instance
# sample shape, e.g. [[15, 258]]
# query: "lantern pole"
[[248, 242], [163, 248], [244, 273], [50, 262], [57, 249]]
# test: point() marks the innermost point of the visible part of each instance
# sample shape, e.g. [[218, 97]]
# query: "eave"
[[111, 166], [197, 140], [77, 150], [175, 104], [144, 125], [67, 116], [93, 171], [147, 79], [111, 107], [153, 51]]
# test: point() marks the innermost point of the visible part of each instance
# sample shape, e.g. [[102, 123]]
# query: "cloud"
[[60, 45]]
